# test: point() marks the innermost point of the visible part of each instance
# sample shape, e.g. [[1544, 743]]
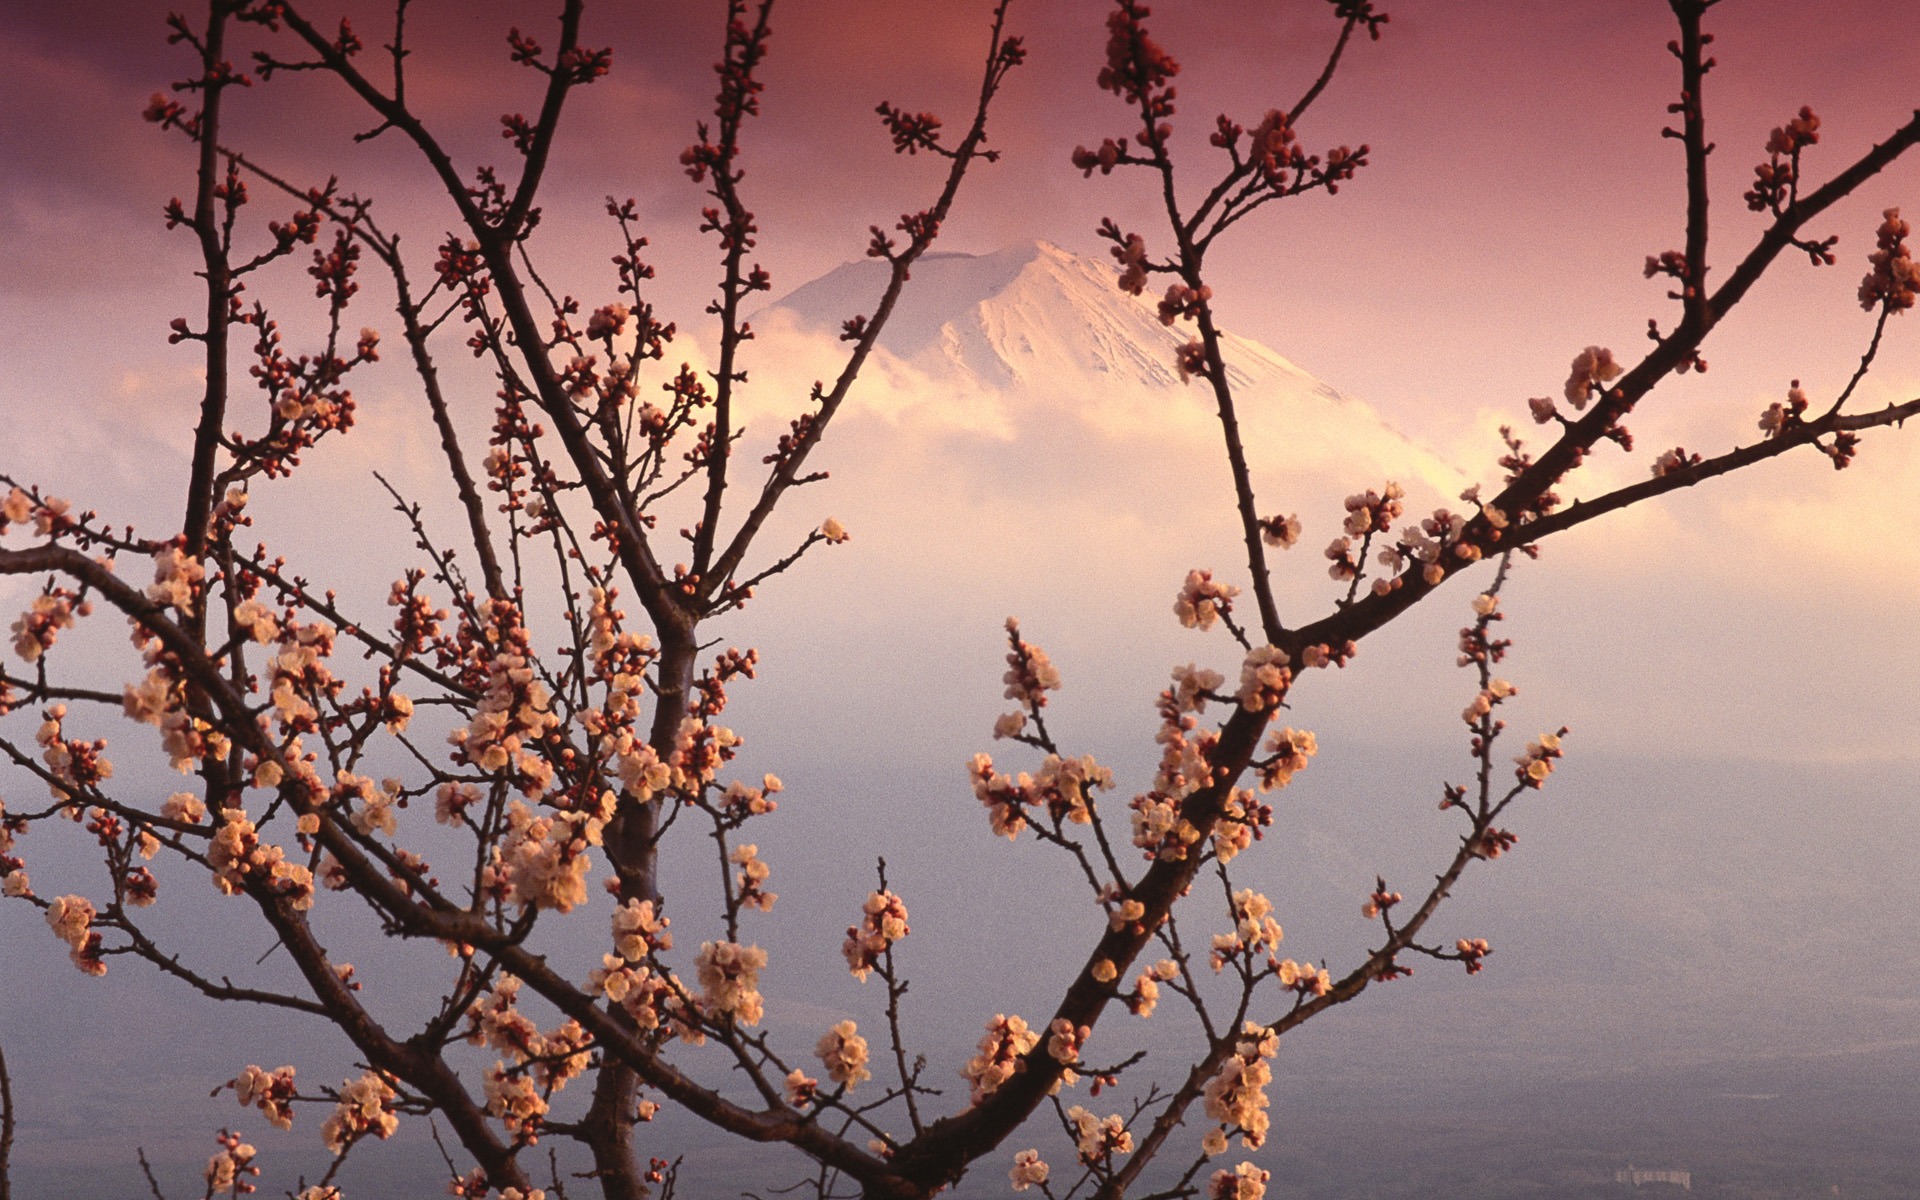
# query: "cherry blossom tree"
[[546, 768]]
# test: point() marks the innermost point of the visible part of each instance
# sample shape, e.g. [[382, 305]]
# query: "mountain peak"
[[1018, 317], [1038, 338]]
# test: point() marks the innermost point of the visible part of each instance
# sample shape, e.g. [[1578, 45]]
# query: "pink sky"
[[1519, 174]]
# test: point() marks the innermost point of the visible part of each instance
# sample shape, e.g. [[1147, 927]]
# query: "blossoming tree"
[[595, 758]]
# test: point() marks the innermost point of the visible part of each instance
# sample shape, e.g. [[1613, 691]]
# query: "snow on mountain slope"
[[1035, 340]]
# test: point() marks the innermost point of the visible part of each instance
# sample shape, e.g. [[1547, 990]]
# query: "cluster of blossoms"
[[883, 921], [495, 1020], [1244, 1182], [749, 883], [626, 979], [37, 629], [1030, 673], [1368, 513], [541, 1063], [452, 800], [474, 1186], [1264, 679], [1254, 929], [1202, 601], [1435, 538], [1472, 952], [417, 623], [1191, 360], [1775, 179], [1028, 1170], [1489, 843], [515, 1101], [1304, 978], [15, 509], [1381, 900], [1781, 417], [1241, 821], [1001, 1055], [1192, 686], [1064, 786], [74, 765], [1374, 512], [159, 700], [1475, 644], [843, 1052], [699, 751], [649, 997], [1158, 828], [543, 861], [372, 808], [638, 931], [1592, 368], [366, 1107], [1671, 263], [1676, 459], [1430, 542], [1895, 277], [177, 579], [1533, 766], [48, 513], [1145, 996], [184, 807], [1061, 787], [1274, 147], [1496, 691], [238, 857], [1291, 749], [231, 1168], [71, 919], [1098, 1139], [271, 1092], [608, 321], [620, 661], [1129, 250], [1182, 301], [729, 976], [741, 801], [13, 872], [1005, 798], [515, 712], [1236, 1094], [802, 1088], [1282, 533], [298, 671], [1064, 1042], [1320, 655], [1110, 154]]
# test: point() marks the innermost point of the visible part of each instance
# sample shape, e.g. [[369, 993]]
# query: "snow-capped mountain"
[[1036, 339], [1015, 318]]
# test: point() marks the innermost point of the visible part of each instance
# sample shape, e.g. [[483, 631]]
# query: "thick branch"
[[1795, 437], [218, 274]]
